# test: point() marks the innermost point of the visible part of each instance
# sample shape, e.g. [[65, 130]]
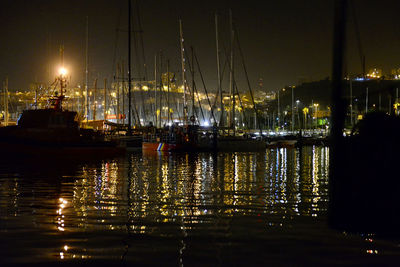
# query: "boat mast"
[[62, 77], [366, 101], [292, 110], [185, 111], [155, 90], [232, 117], [168, 85], [105, 100], [129, 69], [123, 91], [86, 69], [221, 120], [351, 103], [94, 99], [161, 89], [193, 84], [118, 90], [6, 102]]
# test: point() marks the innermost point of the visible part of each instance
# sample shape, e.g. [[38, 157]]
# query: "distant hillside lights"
[[374, 73], [396, 74]]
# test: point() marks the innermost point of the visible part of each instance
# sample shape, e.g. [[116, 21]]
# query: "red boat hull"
[[158, 146]]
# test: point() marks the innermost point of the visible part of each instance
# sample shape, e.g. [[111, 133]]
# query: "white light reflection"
[[60, 219]]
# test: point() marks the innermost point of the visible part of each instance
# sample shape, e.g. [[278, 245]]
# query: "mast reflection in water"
[[177, 209]]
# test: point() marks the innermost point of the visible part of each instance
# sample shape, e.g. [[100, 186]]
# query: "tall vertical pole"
[[292, 110], [279, 112], [86, 69], [6, 103], [117, 93], [351, 102], [336, 150], [105, 100], [155, 90], [161, 88], [62, 78], [193, 83], [94, 99], [129, 70], [397, 99], [221, 120], [232, 89], [123, 91], [366, 101], [36, 95], [168, 85], [185, 110], [380, 101]]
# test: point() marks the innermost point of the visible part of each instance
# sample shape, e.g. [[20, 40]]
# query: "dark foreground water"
[[240, 209]]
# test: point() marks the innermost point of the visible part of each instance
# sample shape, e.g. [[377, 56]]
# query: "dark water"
[[250, 209]]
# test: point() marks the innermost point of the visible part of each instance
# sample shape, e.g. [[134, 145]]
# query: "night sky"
[[283, 42]]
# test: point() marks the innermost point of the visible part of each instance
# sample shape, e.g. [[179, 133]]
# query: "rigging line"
[[131, 96], [233, 78], [194, 87], [139, 21], [358, 36], [235, 85], [222, 75], [140, 31], [177, 108], [247, 76], [116, 43], [241, 105], [139, 70], [205, 88], [173, 100], [198, 101], [237, 90], [163, 97], [134, 109]]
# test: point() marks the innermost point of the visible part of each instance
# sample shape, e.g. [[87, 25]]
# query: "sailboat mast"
[[221, 122], [155, 90], [160, 90], [193, 83], [168, 90], [62, 74], [232, 89], [118, 90], [129, 69], [105, 100], [94, 99], [6, 102], [86, 69], [185, 111]]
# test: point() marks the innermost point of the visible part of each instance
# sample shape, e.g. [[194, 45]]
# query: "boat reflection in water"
[[180, 208]]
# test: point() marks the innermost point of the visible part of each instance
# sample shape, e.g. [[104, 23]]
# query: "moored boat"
[[53, 132], [172, 138]]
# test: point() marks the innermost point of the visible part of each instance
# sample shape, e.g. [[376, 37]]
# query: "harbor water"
[[179, 209]]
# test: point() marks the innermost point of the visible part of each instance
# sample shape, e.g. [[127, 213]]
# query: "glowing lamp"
[[62, 71]]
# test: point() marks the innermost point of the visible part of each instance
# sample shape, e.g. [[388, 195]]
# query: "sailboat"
[[233, 142], [132, 139], [175, 137]]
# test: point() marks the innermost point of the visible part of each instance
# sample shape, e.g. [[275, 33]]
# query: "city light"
[[206, 124], [62, 71]]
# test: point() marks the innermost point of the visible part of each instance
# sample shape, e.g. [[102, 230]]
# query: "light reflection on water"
[[225, 208]]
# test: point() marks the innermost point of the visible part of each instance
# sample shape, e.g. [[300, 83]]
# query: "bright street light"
[[62, 71]]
